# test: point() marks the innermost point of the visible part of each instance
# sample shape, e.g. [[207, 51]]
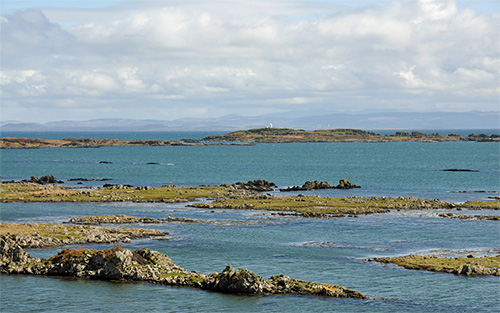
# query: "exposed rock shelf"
[[469, 266], [125, 219], [470, 217], [154, 267], [54, 235]]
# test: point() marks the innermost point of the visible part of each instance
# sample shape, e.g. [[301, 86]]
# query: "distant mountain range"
[[394, 120]]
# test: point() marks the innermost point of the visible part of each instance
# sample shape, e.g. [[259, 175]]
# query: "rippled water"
[[324, 250]]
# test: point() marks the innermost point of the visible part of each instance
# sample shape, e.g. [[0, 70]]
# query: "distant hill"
[[320, 120]]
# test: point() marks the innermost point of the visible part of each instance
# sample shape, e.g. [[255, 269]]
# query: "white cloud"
[[243, 56]]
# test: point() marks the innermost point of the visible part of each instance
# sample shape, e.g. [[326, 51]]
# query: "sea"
[[335, 250]]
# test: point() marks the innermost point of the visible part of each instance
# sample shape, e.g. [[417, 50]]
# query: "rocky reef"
[[470, 217], [146, 265], [55, 235], [126, 219], [314, 185], [468, 266]]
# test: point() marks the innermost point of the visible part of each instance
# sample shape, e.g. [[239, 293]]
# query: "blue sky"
[[168, 59]]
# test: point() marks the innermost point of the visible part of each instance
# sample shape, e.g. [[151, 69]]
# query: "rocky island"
[[284, 135]]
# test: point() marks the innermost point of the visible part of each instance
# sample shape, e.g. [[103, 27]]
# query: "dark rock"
[[314, 185], [258, 185], [105, 162], [458, 170], [237, 281], [47, 179], [88, 179], [345, 184]]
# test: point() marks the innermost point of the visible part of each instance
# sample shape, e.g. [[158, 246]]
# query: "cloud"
[[245, 56]]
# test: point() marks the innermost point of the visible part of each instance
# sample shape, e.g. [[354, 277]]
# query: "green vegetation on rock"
[[470, 266], [316, 206], [52, 235], [32, 192]]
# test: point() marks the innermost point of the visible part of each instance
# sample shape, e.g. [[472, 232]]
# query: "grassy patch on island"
[[471, 266], [30, 192], [318, 206]]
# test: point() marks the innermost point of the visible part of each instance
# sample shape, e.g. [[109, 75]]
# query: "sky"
[[171, 59]]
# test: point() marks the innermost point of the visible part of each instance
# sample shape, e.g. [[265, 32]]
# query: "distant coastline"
[[245, 137], [33, 143]]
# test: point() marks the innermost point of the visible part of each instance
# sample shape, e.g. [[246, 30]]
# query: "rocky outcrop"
[[244, 281], [308, 185], [11, 252], [151, 266], [47, 179], [237, 281], [258, 185], [109, 264]]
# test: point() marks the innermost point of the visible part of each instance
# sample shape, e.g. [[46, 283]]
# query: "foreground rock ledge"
[[154, 267]]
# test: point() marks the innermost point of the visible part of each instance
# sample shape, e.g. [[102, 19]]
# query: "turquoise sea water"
[[331, 251]]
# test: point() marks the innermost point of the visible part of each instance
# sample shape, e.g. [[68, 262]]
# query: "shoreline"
[[36, 143]]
